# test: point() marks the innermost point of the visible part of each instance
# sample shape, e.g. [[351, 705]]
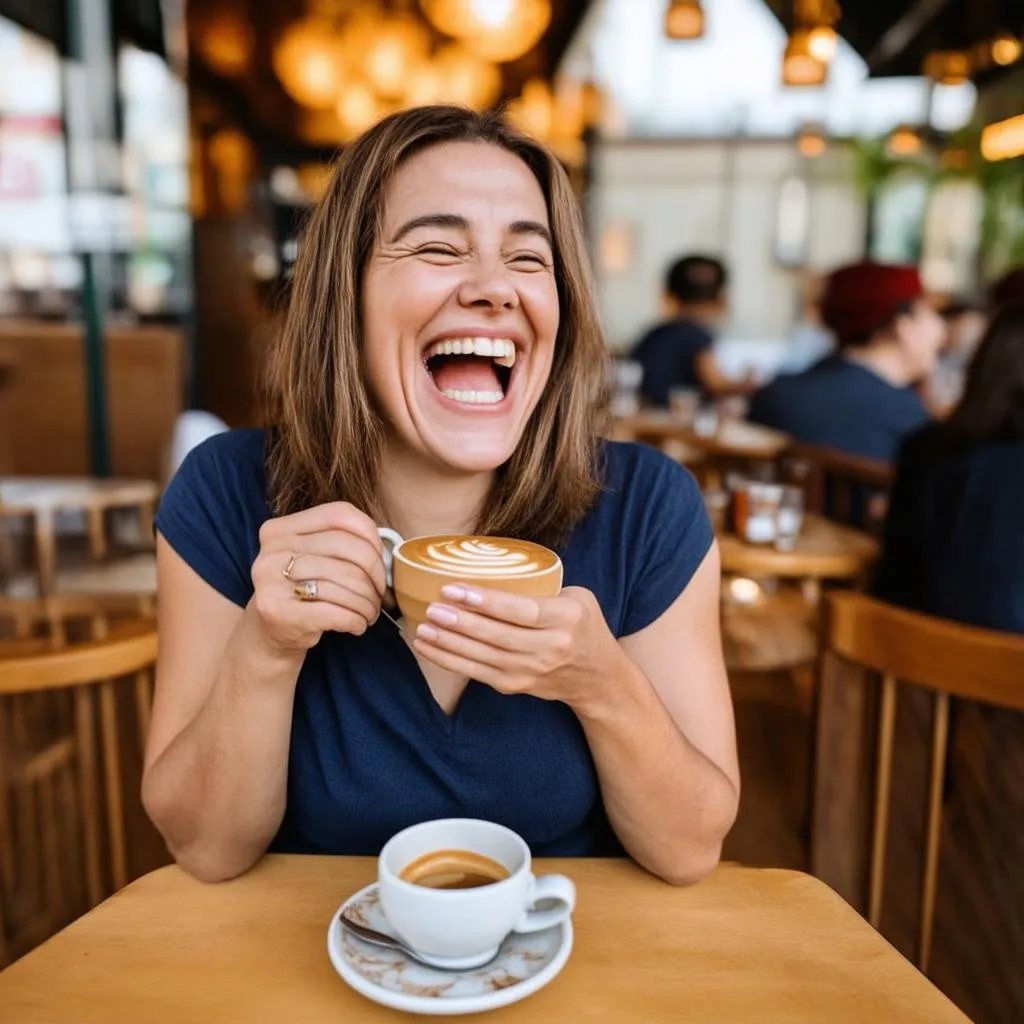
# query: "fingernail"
[[425, 632], [454, 592], [442, 616]]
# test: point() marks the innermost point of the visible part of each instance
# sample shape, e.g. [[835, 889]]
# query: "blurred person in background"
[[863, 399], [954, 542], [678, 352], [965, 324], [811, 341]]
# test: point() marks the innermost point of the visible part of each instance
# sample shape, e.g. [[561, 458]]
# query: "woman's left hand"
[[557, 648]]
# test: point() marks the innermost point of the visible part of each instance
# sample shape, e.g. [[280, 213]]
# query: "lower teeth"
[[473, 397]]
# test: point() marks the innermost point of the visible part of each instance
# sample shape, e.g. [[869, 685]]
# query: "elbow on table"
[[206, 859], [208, 865], [696, 866]]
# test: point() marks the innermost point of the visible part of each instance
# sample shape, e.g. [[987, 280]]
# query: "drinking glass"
[[789, 518], [683, 404], [762, 513]]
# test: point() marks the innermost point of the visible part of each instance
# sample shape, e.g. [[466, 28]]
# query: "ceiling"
[[260, 105], [894, 36]]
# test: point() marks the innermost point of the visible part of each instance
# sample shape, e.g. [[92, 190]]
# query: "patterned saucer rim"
[[435, 1005]]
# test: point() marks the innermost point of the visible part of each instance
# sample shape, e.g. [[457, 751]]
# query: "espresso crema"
[[479, 556]]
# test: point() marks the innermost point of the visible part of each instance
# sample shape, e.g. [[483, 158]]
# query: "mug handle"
[[547, 887], [393, 538]]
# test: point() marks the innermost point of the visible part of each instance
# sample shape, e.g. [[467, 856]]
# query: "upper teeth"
[[501, 350]]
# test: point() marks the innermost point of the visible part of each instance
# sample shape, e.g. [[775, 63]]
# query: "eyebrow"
[[454, 222]]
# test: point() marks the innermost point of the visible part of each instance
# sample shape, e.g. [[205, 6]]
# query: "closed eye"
[[530, 258], [436, 250]]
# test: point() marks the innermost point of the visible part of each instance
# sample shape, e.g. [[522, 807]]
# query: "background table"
[[744, 946], [43, 497], [734, 439], [824, 550]]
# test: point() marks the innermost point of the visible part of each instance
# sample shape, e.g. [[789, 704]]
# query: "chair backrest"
[[945, 658], [841, 486], [63, 845]]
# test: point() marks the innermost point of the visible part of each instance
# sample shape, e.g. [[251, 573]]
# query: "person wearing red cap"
[[862, 399]]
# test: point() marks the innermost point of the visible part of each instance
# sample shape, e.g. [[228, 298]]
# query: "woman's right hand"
[[337, 546]]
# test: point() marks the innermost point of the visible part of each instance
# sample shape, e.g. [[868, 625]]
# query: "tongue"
[[466, 373]]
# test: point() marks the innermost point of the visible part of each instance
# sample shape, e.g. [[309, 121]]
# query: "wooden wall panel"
[[46, 403]]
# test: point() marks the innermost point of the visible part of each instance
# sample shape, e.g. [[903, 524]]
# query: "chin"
[[471, 458]]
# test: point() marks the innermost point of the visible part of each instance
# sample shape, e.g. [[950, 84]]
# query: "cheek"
[[541, 301]]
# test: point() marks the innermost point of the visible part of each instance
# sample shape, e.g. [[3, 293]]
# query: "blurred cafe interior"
[[805, 220]]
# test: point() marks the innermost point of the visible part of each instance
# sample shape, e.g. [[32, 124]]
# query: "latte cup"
[[463, 928], [417, 569]]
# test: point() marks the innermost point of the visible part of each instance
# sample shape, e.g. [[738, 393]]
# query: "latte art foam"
[[479, 556]]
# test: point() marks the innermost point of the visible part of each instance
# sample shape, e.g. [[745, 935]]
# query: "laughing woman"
[[440, 371]]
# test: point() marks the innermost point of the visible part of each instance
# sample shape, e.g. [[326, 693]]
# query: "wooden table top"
[[744, 945], [734, 438], [824, 550], [28, 494]]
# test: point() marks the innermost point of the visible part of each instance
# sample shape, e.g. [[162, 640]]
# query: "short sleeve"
[[213, 508], [671, 535]]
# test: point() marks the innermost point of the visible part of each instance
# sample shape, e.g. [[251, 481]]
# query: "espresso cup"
[[463, 928], [417, 569]]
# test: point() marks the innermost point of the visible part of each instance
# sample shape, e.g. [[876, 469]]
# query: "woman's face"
[[460, 308]]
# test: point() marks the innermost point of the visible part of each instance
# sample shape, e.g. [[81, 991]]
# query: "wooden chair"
[[61, 800], [944, 658], [847, 488]]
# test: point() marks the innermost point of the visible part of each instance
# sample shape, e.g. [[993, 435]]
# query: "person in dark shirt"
[[954, 542], [862, 399], [677, 353], [440, 371]]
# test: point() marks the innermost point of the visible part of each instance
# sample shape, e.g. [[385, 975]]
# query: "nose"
[[488, 285]]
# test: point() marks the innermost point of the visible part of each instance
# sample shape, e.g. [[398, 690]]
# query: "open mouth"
[[472, 371]]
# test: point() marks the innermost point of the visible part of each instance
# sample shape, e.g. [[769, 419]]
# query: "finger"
[[327, 617], [321, 617], [464, 667], [529, 612], [340, 545], [306, 566], [335, 515], [468, 647], [342, 595], [493, 632]]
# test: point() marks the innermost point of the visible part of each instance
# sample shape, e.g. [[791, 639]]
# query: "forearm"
[[670, 806], [217, 792]]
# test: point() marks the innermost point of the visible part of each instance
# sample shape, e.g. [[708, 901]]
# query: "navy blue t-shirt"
[[371, 750], [841, 404], [668, 354], [954, 540]]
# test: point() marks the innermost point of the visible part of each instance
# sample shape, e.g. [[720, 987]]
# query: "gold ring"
[[307, 590], [287, 571]]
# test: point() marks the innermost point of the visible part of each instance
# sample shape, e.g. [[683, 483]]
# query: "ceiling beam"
[[903, 32]]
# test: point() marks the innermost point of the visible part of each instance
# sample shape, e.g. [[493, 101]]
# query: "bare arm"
[[716, 381], [217, 758], [664, 739]]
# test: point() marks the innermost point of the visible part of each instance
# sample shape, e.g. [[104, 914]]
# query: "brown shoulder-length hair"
[[326, 438]]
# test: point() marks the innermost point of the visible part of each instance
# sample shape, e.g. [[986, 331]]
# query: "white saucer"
[[525, 964]]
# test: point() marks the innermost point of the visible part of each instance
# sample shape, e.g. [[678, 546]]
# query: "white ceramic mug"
[[464, 927]]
